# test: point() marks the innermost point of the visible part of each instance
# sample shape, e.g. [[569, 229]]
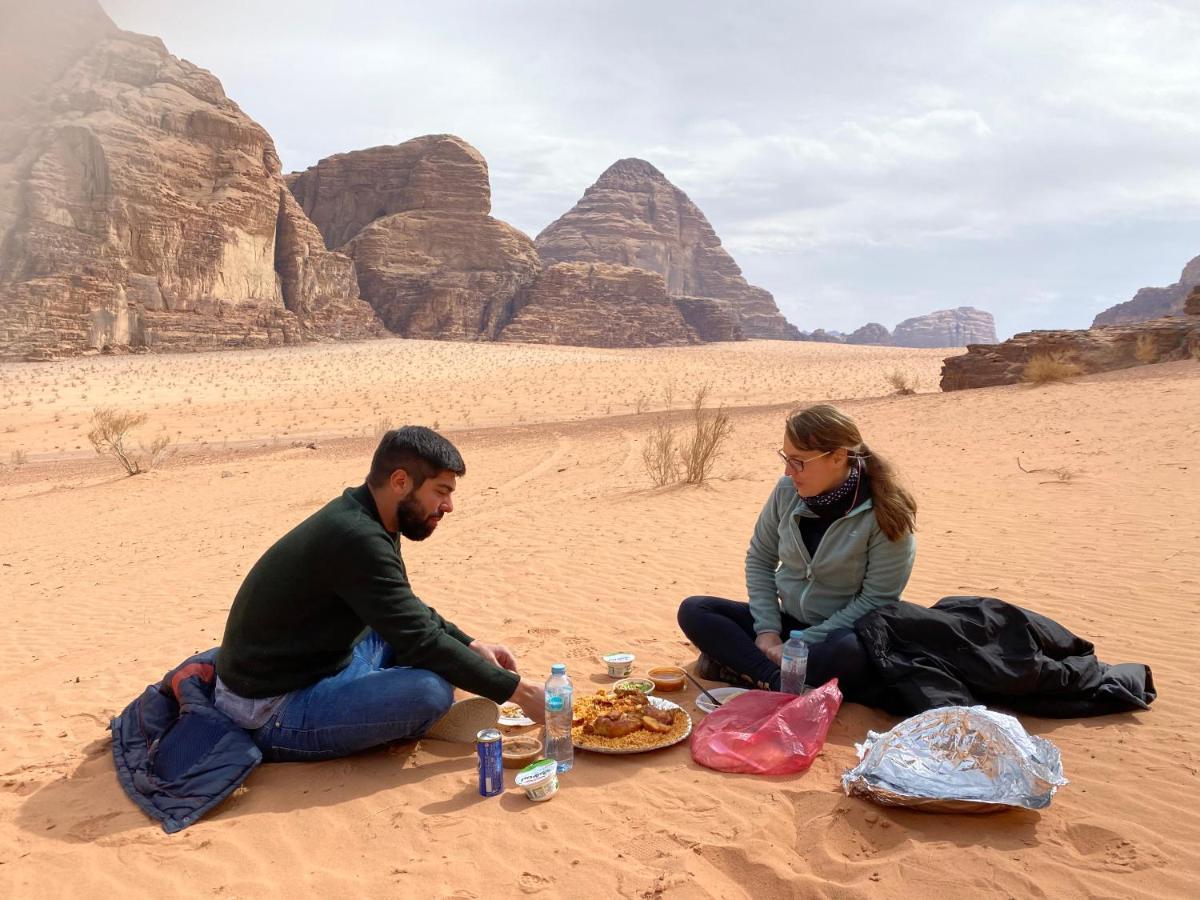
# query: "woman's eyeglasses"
[[798, 464]]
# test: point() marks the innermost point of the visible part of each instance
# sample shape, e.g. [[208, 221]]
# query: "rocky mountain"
[[633, 216], [414, 218], [1152, 302], [946, 328], [433, 262], [872, 333], [141, 208], [1093, 350]]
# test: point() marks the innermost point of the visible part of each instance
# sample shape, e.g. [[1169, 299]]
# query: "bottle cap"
[[558, 669], [796, 634]]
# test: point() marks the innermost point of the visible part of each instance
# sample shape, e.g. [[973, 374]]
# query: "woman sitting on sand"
[[833, 542]]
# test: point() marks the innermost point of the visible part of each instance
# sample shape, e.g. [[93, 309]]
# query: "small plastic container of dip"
[[619, 664], [539, 780], [667, 678]]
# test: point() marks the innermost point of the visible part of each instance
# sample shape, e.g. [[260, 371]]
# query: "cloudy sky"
[[864, 161]]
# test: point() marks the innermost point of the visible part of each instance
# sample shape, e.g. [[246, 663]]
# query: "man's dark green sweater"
[[311, 597]]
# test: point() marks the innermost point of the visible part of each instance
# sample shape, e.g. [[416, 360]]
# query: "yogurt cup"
[[539, 780], [619, 664]]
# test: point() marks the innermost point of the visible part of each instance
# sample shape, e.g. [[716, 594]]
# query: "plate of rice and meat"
[[627, 721]]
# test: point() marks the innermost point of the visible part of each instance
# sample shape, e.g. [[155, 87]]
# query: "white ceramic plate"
[[513, 716], [726, 693], [661, 704]]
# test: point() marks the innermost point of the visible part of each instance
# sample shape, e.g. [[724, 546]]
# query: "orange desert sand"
[[560, 547]]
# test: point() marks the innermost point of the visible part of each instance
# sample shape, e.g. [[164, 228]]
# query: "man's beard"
[[412, 521]]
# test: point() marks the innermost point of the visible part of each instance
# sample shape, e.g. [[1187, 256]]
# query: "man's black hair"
[[419, 451]]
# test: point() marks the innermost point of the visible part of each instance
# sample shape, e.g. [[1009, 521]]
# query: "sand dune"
[[561, 548]]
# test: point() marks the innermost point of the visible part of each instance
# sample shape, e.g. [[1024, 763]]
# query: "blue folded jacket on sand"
[[177, 755]]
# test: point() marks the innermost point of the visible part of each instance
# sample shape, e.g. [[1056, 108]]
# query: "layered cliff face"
[[440, 173], [414, 217], [946, 328], [598, 305], [440, 276], [1093, 350], [633, 216], [143, 209], [1152, 302]]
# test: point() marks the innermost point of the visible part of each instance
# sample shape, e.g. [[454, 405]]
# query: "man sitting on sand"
[[327, 650]]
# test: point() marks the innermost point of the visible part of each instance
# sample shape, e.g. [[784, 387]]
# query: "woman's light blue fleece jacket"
[[856, 567]]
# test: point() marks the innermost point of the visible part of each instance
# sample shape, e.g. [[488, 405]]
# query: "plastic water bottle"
[[559, 746], [794, 665]]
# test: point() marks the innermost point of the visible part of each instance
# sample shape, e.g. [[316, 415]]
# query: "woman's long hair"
[[824, 427]]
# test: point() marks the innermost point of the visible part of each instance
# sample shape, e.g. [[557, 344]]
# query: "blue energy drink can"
[[491, 762]]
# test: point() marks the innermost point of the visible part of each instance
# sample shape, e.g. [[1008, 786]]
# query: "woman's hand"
[[771, 645]]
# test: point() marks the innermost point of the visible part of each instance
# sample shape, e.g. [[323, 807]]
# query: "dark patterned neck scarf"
[[834, 496]]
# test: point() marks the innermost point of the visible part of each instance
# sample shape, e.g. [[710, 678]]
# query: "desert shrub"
[[18, 458], [382, 427], [659, 454], [700, 448], [904, 383], [1146, 349], [110, 435], [1044, 368]]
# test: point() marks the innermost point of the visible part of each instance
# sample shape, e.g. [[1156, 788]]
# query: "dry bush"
[[110, 433], [1048, 367], [18, 458], [700, 449], [1145, 350], [382, 427], [904, 383], [659, 455]]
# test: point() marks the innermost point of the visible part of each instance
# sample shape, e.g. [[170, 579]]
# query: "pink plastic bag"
[[766, 733]]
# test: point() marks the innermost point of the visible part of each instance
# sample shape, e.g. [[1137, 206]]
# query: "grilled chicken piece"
[[615, 725]]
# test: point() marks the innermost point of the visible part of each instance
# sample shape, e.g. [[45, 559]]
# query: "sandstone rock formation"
[[821, 336], [433, 263], [946, 328], [439, 276], [1152, 302], [872, 333], [414, 217], [633, 216], [141, 208], [1093, 350], [711, 319], [598, 305], [345, 193]]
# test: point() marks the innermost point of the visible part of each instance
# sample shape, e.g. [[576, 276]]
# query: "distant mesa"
[[821, 336], [1153, 302], [946, 328], [140, 208], [633, 216]]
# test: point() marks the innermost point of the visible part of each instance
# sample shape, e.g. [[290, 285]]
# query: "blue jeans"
[[368, 703]]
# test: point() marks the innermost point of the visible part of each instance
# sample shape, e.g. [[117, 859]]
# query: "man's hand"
[[531, 697], [771, 645], [496, 654]]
